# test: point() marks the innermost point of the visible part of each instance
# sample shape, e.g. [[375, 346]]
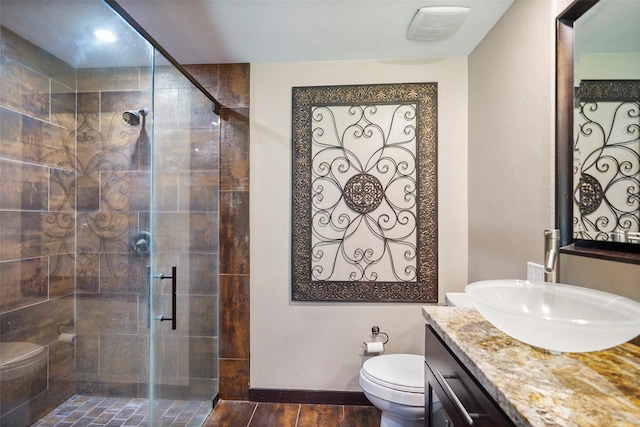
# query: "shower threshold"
[[129, 412]]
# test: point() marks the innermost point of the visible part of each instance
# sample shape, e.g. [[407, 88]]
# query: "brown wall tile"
[[202, 273], [167, 112], [203, 231], [199, 191], [62, 190], [23, 282], [107, 314], [234, 379], [205, 74], [21, 235], [37, 323], [166, 191], [196, 110], [24, 187], [169, 77], [88, 359], [123, 273], [87, 188], [234, 232], [234, 153], [58, 233], [98, 79], [202, 357], [118, 355], [62, 367], [62, 270], [106, 231], [24, 90], [201, 318], [234, 85], [63, 106], [29, 140], [234, 316], [123, 191], [171, 155], [24, 52]]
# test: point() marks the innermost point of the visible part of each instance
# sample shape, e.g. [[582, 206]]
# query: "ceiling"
[[254, 31], [246, 31]]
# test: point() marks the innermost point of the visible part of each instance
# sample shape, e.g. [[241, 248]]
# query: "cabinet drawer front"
[[458, 388]]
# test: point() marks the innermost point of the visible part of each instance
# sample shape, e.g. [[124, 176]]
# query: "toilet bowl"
[[18, 359], [394, 383]]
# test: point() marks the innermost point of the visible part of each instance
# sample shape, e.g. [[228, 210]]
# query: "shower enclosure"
[[108, 214]]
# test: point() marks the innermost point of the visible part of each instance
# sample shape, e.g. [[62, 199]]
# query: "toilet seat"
[[397, 378], [402, 372], [19, 358]]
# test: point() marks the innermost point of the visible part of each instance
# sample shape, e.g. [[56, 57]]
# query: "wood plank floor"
[[252, 414]]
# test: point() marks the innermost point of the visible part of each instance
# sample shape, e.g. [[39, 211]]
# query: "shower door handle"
[[174, 295]]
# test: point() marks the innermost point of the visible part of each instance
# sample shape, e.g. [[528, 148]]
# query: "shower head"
[[132, 117]]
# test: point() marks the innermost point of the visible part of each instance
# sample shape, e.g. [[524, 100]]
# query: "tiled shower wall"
[[234, 232], [114, 161], [53, 194], [111, 304], [37, 223]]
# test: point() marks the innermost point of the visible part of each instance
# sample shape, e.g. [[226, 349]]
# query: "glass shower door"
[[183, 276]]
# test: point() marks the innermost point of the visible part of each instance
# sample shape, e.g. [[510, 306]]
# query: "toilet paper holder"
[[375, 331]]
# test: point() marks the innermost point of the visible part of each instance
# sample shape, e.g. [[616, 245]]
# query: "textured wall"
[[512, 152], [511, 142], [318, 346]]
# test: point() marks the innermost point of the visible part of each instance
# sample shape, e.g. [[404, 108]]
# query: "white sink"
[[555, 317]]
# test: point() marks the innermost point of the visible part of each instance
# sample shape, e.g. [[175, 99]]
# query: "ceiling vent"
[[437, 22]]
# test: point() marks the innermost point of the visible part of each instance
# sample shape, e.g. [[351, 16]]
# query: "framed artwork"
[[364, 220]]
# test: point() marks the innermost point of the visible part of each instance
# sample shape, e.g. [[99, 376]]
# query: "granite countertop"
[[535, 388]]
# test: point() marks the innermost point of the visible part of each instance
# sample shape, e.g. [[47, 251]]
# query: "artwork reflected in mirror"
[[606, 124], [364, 193], [607, 161]]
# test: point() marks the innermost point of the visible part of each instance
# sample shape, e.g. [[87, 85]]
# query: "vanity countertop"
[[535, 388]]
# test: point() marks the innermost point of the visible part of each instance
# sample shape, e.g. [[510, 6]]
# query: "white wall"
[[512, 142], [512, 152], [318, 346]]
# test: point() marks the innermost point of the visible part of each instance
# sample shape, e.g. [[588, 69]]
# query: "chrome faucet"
[[551, 255]]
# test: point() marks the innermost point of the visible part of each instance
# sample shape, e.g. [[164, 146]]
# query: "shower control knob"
[[141, 244]]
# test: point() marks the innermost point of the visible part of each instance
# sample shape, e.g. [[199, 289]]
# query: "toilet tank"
[[457, 299]]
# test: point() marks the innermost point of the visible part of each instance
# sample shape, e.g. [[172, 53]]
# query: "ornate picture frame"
[[364, 174]]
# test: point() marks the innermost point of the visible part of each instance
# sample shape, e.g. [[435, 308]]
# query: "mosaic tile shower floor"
[[92, 411]]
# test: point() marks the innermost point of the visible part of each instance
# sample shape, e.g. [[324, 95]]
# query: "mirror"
[[598, 124]]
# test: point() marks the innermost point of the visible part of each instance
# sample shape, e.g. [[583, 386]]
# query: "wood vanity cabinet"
[[464, 401]]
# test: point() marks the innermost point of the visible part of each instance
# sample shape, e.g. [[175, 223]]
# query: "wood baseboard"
[[308, 397]]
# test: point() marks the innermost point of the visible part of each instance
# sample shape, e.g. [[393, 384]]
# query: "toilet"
[[20, 359], [394, 383]]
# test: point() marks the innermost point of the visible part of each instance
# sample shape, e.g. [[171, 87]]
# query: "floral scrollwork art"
[[606, 171], [364, 193]]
